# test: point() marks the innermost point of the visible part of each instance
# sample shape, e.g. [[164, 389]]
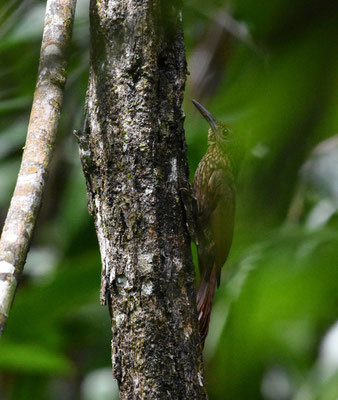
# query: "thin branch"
[[26, 200]]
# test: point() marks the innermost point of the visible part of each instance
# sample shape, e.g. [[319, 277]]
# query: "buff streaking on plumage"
[[214, 190]]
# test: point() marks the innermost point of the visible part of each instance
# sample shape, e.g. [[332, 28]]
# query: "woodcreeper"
[[214, 190]]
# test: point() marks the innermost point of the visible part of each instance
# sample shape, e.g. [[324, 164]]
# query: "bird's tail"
[[205, 295]]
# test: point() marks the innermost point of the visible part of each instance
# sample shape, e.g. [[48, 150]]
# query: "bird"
[[214, 191]]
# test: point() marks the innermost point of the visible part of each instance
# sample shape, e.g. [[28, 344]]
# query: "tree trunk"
[[134, 158]]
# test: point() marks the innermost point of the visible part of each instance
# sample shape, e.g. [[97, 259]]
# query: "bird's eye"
[[225, 133]]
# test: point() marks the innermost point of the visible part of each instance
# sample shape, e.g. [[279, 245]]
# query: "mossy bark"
[[134, 158]]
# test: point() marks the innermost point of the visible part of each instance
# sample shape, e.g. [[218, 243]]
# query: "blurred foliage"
[[269, 69]]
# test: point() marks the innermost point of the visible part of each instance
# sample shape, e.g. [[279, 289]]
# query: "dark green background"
[[277, 87]]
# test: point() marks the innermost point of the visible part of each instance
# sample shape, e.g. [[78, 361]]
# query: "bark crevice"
[[134, 139]]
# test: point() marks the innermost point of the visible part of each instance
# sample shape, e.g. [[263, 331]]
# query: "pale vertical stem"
[[38, 150]]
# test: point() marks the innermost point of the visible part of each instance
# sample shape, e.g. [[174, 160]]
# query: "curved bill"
[[206, 114]]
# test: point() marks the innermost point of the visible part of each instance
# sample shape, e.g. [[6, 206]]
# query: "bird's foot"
[[190, 207]]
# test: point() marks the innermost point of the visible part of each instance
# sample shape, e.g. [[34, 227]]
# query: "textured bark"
[[134, 158], [26, 200]]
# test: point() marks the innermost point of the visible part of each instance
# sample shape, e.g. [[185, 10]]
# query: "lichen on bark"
[[134, 159], [26, 200]]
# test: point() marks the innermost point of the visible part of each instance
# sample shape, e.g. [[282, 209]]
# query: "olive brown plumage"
[[214, 190]]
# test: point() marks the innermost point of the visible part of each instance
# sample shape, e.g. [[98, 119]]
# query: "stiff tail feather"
[[205, 295]]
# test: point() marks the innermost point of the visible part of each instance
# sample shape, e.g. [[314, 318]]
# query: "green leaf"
[[32, 358]]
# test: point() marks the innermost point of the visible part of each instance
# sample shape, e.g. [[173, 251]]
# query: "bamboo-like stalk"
[[38, 150]]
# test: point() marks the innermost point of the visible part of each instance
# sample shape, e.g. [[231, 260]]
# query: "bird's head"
[[219, 133]]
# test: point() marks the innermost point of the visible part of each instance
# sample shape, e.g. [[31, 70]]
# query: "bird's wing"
[[223, 201], [215, 221], [220, 189]]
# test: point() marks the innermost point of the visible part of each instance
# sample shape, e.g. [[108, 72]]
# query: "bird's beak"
[[206, 114]]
